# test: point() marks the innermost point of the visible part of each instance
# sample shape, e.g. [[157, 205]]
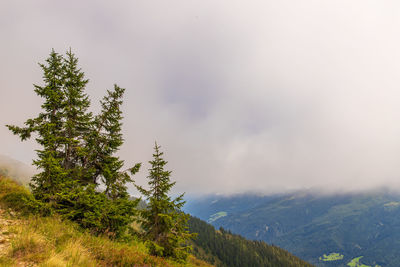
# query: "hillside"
[[344, 228], [27, 240], [224, 249]]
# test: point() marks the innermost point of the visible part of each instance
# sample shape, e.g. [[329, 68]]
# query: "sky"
[[243, 96]]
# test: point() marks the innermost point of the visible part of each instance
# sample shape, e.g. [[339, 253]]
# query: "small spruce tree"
[[164, 224]]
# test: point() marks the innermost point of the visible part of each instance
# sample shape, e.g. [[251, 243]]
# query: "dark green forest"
[[223, 249]]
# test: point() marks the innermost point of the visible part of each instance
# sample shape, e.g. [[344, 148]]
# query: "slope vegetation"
[[27, 240]]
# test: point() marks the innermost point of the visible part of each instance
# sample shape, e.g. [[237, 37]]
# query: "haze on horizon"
[[264, 96]]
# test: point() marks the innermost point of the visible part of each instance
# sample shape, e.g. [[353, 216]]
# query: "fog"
[[263, 96], [16, 170]]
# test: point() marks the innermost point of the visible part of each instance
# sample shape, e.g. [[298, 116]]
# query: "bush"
[[13, 195], [95, 211]]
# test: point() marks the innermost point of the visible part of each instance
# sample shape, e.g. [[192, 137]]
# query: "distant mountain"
[[15, 169], [323, 230]]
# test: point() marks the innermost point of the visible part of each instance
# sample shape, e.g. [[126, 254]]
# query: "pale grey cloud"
[[262, 96]]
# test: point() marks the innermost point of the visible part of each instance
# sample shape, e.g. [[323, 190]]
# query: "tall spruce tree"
[[77, 121], [78, 150], [49, 127], [164, 224]]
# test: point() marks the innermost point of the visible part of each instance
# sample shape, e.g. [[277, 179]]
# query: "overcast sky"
[[259, 96]]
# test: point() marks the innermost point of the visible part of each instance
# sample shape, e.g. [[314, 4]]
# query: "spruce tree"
[[164, 224], [49, 127]]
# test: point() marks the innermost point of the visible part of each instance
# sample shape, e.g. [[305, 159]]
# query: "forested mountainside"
[[333, 230], [223, 248]]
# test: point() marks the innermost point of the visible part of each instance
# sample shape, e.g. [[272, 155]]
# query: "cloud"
[[264, 96]]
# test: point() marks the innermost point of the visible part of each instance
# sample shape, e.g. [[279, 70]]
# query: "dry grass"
[[28, 246], [51, 242]]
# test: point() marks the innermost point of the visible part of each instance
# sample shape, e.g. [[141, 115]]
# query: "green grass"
[[217, 216], [331, 257], [356, 263]]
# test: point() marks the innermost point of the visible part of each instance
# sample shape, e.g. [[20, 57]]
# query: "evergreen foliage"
[[77, 152], [222, 248], [164, 223]]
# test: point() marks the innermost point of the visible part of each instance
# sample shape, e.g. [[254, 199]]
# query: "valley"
[[335, 230]]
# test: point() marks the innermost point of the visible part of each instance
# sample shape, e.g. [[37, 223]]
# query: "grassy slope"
[[49, 241]]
